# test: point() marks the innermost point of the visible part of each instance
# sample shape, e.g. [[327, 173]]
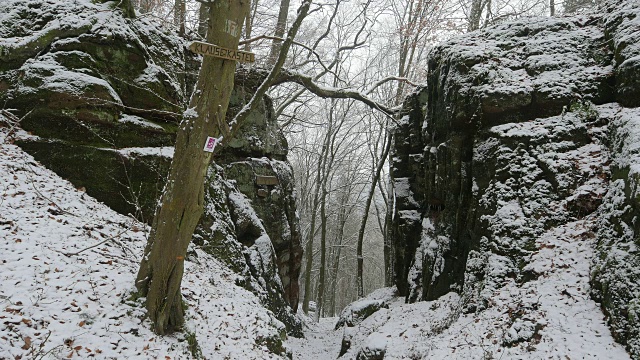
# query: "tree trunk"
[[248, 25], [342, 219], [180, 15], [388, 246], [323, 250], [552, 8], [475, 15], [182, 202], [279, 32], [365, 216], [203, 19], [312, 230]]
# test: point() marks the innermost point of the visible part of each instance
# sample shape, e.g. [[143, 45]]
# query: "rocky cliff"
[[102, 95], [524, 130]]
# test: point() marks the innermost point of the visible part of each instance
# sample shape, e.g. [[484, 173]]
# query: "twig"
[[44, 197], [15, 119], [96, 245]]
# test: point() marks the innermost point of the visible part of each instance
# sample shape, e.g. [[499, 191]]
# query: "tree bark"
[[388, 246], [180, 15], [312, 230], [365, 216], [279, 32], [203, 19], [181, 205], [342, 220], [475, 15]]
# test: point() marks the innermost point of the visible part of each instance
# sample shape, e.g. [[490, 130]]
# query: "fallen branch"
[[96, 245], [12, 120]]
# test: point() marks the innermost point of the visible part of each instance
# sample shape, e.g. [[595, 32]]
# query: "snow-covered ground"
[[320, 342], [555, 311], [67, 265]]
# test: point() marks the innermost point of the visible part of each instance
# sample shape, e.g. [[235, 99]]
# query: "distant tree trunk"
[[181, 205], [488, 15], [327, 166], [552, 8], [474, 15], [342, 219], [279, 32], [308, 266], [203, 19], [248, 25], [312, 230], [388, 245], [180, 15], [363, 224], [323, 251]]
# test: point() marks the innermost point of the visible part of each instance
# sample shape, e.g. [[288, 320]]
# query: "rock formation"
[[522, 127], [103, 96]]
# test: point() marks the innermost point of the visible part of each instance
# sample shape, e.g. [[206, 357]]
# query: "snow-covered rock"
[[103, 94], [523, 137], [68, 264]]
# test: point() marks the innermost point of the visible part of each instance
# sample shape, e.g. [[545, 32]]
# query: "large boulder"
[[616, 269], [458, 134], [89, 84], [508, 141], [103, 93]]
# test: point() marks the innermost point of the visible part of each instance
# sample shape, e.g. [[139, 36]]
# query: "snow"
[[164, 151], [57, 304], [549, 317], [627, 124], [321, 342], [136, 120], [62, 80], [32, 25]]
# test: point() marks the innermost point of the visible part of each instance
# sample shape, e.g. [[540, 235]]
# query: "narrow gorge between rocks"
[[493, 187]]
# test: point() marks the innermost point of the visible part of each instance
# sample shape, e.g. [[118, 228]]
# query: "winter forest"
[[337, 179]]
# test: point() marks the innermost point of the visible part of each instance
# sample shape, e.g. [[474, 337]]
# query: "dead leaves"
[[27, 343]]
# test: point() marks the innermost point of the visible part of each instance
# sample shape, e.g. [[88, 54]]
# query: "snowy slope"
[[555, 310], [67, 265]]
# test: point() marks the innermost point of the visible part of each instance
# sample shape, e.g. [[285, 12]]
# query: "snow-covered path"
[[321, 342]]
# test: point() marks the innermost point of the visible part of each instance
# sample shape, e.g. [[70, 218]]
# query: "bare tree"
[[162, 266], [182, 202], [279, 31]]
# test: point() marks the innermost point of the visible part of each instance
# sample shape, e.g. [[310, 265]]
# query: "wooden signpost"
[[266, 180], [199, 47]]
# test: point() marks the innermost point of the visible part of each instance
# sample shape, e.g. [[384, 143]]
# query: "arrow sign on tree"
[[203, 48]]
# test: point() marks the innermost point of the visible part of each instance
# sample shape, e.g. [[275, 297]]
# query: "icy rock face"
[[104, 96], [616, 269], [90, 82], [256, 161], [233, 232], [509, 140]]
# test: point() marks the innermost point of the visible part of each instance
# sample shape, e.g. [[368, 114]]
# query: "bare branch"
[[268, 81], [387, 79], [326, 92]]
